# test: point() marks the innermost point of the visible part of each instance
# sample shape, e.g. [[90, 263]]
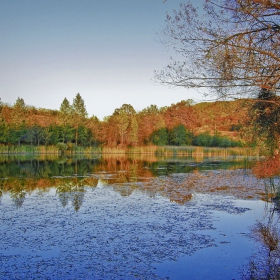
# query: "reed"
[[27, 149], [159, 151]]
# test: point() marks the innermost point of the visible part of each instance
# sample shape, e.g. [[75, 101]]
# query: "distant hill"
[[226, 117]]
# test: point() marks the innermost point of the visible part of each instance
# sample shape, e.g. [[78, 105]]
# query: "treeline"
[[180, 136], [70, 126]]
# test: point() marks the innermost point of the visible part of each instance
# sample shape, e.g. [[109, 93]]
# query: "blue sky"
[[107, 50]]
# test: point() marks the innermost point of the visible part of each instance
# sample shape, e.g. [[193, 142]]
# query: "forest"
[[211, 124]]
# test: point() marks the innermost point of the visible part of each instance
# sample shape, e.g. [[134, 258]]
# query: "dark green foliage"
[[3, 133], [265, 115], [159, 137], [236, 127], [180, 136], [15, 134], [84, 136], [56, 134], [203, 139], [67, 133], [206, 140]]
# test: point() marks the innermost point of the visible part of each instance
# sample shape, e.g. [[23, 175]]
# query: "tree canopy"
[[177, 124], [232, 48]]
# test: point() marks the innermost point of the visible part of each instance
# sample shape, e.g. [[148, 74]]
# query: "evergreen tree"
[[79, 106], [66, 118], [65, 109], [80, 113]]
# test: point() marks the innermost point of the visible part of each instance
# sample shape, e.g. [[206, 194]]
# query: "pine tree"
[[79, 106], [66, 117], [80, 113]]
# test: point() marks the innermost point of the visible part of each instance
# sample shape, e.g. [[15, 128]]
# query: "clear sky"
[[107, 50]]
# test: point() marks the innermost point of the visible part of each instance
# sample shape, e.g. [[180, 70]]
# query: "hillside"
[[152, 125], [226, 117]]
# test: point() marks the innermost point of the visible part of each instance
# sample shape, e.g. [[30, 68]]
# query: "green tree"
[[79, 106], [56, 132], [180, 136], [159, 137], [79, 113], [66, 118]]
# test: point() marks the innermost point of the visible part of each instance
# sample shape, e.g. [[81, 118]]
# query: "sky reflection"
[[98, 224]]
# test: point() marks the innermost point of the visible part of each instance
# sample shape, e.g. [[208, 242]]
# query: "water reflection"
[[132, 168], [265, 264], [72, 190], [176, 179], [18, 192], [127, 218]]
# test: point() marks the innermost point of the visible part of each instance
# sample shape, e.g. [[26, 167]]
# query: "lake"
[[115, 217]]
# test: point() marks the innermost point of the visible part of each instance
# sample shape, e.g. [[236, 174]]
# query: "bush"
[[180, 136], [206, 140], [203, 139], [159, 137]]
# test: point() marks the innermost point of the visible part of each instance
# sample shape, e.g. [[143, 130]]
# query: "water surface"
[[123, 218]]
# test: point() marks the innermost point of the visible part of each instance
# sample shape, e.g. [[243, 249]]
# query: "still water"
[[121, 218]]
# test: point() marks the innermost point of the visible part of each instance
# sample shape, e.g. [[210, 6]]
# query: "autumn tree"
[[124, 118], [180, 113], [133, 133], [150, 119], [233, 48], [95, 127], [2, 131], [3, 126], [18, 126]]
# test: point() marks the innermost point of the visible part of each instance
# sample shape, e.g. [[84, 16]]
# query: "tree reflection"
[[63, 191], [18, 192], [1, 188], [77, 199], [71, 189], [71, 177], [266, 263]]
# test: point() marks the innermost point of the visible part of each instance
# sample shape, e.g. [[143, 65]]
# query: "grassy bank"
[[183, 151], [161, 151]]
